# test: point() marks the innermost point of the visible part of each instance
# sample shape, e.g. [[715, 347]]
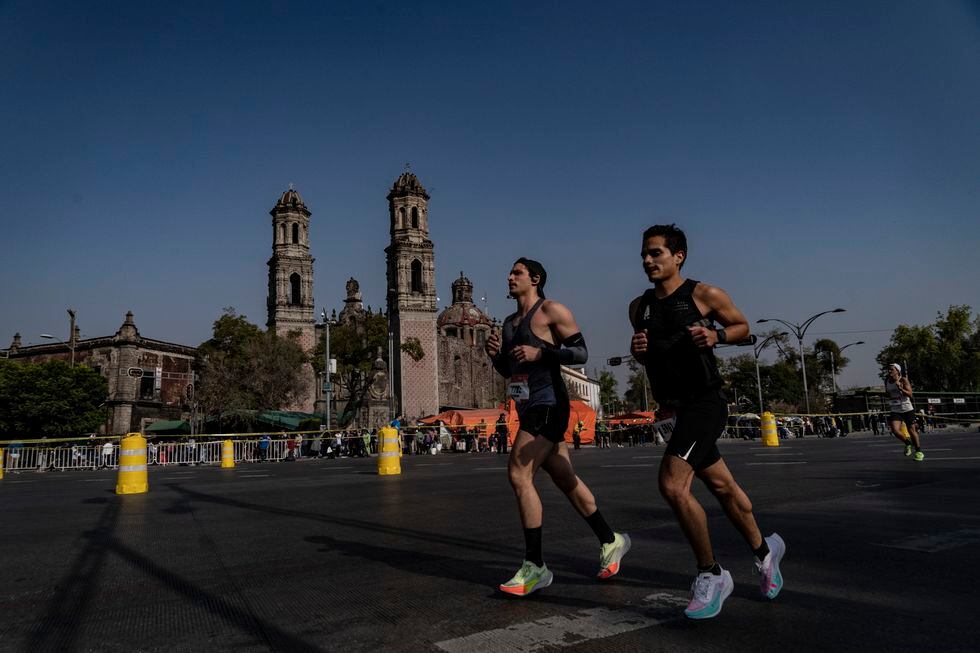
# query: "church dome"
[[463, 315], [290, 200], [407, 184]]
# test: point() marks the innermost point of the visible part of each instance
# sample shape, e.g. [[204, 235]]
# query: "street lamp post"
[[799, 330], [757, 351], [327, 385], [70, 345], [833, 363]]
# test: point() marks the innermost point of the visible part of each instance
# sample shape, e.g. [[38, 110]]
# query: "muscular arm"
[[561, 322], [638, 344], [720, 307], [905, 386]]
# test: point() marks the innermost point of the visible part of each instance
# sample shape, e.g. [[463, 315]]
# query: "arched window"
[[282, 233], [401, 218], [415, 217], [416, 276], [295, 234], [294, 294]]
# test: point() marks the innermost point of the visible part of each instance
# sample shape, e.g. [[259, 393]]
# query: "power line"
[[831, 333]]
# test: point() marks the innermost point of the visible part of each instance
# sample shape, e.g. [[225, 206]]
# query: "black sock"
[[714, 568], [532, 546], [600, 527], [762, 551]]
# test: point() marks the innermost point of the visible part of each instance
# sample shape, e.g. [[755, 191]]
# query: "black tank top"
[[537, 383], [678, 369]]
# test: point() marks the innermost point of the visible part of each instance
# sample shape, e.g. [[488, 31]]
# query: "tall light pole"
[[757, 351], [327, 385], [833, 363], [799, 330], [70, 344]]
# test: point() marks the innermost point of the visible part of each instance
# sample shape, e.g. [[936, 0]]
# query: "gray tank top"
[[897, 401], [537, 383]]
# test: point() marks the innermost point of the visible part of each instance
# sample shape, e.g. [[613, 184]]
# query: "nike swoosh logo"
[[684, 457]]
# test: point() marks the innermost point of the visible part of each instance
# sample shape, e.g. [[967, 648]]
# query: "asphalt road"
[[325, 555]]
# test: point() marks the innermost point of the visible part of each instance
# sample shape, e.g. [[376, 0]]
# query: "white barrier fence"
[[20, 458]]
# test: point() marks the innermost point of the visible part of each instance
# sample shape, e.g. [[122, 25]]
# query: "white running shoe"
[[709, 593], [771, 578]]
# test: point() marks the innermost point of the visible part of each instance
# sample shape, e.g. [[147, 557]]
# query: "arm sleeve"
[[501, 363], [572, 351]]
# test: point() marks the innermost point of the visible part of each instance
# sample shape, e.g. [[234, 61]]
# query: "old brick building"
[[148, 379], [466, 377], [412, 299]]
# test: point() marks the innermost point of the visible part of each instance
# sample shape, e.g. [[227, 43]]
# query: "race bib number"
[[518, 389]]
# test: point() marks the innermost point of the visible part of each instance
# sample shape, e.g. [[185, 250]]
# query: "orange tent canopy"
[[632, 418], [472, 417]]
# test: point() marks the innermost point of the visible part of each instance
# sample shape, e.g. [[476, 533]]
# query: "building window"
[[294, 294], [295, 234], [282, 233], [416, 276], [451, 332], [415, 217], [147, 384], [401, 218], [481, 337]]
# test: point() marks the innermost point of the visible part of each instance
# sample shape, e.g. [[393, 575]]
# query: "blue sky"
[[818, 155]]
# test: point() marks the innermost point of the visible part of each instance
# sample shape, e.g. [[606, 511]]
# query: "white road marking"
[[480, 469], [936, 541], [861, 484], [95, 480], [781, 462], [578, 627], [21, 481], [778, 454], [636, 465], [641, 457], [432, 464], [955, 458]]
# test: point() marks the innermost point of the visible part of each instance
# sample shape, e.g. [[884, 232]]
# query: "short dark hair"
[[535, 269], [674, 238]]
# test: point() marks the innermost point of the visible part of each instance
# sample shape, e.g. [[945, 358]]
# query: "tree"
[[50, 399], [637, 397], [243, 367], [607, 389], [943, 356], [355, 348]]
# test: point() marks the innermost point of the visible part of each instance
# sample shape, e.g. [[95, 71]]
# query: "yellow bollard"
[[389, 452], [1, 463], [132, 465], [227, 454], [770, 437]]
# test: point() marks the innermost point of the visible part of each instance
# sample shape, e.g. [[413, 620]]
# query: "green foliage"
[[355, 349], [243, 367], [943, 356], [637, 397], [608, 396], [413, 348], [50, 399]]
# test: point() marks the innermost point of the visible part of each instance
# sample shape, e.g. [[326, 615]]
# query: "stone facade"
[[165, 389], [412, 298], [466, 377], [290, 299]]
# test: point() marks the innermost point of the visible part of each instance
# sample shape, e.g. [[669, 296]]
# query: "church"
[[442, 364]]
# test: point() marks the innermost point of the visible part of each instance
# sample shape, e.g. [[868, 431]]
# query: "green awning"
[[169, 427]]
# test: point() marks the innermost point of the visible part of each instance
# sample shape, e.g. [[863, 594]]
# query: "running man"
[[540, 337], [674, 333], [899, 391]]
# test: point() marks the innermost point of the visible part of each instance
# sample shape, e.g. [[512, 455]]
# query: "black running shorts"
[[550, 422], [908, 417], [700, 423]]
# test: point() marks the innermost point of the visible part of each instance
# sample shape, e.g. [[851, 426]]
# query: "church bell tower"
[[412, 299], [290, 300]]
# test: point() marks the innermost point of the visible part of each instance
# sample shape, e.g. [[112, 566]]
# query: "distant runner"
[[540, 337], [899, 391], [674, 333]]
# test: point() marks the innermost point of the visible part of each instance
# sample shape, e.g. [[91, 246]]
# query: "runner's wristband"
[[722, 336]]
